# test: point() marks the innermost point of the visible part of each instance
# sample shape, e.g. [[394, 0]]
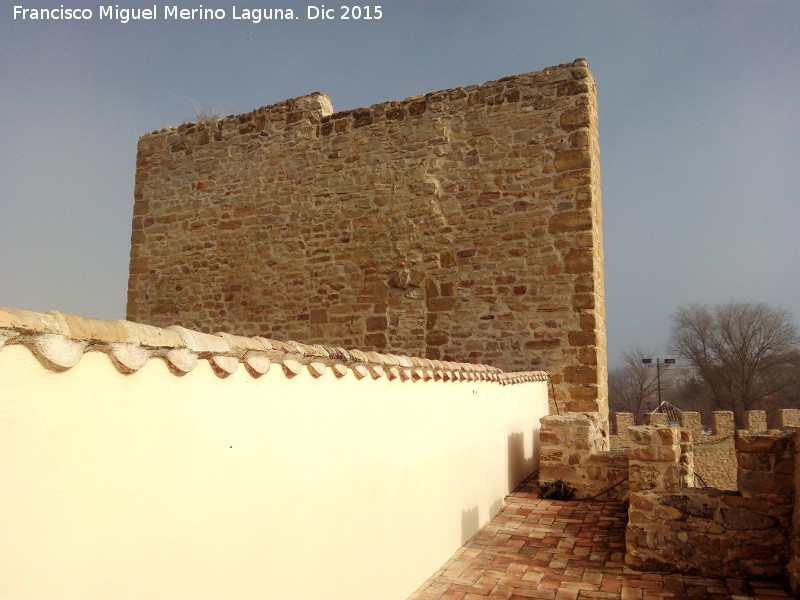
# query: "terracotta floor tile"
[[551, 550]]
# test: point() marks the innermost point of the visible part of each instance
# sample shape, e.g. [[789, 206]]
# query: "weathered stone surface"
[[473, 211], [741, 518], [573, 449], [570, 221], [755, 442], [759, 483], [707, 530], [695, 505]]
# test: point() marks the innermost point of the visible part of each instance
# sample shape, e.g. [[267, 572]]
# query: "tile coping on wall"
[[60, 340]]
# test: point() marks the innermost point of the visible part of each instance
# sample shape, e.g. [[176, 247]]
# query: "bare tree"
[[632, 385], [737, 348]]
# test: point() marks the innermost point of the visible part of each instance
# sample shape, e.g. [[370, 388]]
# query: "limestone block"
[[651, 435], [723, 422], [622, 421], [754, 484], [692, 422], [788, 417], [756, 420], [654, 454], [656, 419], [744, 519], [770, 443]]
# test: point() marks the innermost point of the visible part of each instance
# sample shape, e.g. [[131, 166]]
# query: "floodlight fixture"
[[667, 361]]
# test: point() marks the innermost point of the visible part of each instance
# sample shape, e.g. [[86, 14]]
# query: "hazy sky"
[[699, 129]]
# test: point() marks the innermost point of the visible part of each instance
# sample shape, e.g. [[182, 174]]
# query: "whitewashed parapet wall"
[[142, 462]]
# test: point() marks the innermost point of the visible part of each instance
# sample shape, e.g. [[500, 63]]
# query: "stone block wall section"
[[459, 225], [675, 527], [573, 449], [60, 340], [714, 453]]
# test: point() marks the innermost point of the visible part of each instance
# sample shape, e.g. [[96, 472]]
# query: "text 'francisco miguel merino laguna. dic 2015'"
[[199, 13]]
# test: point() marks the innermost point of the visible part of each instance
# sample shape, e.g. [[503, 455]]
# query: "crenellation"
[[673, 526], [656, 419], [714, 456], [723, 423]]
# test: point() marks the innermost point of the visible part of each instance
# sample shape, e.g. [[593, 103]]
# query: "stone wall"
[[794, 546], [674, 527], [463, 224], [573, 449], [714, 453]]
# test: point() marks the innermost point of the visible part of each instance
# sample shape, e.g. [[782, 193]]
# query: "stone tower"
[[461, 225]]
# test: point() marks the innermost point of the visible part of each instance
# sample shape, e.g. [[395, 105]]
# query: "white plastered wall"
[[157, 486]]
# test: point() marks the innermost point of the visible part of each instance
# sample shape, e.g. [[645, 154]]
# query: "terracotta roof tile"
[[60, 340]]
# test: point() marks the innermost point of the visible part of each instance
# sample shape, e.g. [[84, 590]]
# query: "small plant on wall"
[[556, 490]]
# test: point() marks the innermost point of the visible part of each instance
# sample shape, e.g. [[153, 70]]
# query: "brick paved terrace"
[[574, 550]]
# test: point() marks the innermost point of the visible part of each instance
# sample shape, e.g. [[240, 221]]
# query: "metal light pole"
[[667, 361]]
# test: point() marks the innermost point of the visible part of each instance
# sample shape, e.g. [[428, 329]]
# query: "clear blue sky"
[[699, 130]]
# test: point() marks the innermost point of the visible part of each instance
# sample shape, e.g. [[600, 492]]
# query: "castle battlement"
[[721, 428]]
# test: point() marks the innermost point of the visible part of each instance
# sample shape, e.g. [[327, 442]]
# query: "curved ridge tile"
[[150, 336], [280, 346], [58, 350], [376, 371], [257, 363], [291, 368], [60, 339], [7, 335], [317, 369], [87, 329], [338, 354], [224, 365], [181, 360], [308, 350], [240, 345], [358, 355], [405, 361], [26, 321], [128, 358], [202, 343]]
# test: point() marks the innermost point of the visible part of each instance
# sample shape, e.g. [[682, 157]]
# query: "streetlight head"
[[669, 361], [647, 361]]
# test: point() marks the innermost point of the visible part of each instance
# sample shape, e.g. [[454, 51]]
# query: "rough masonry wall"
[[675, 527], [714, 454], [464, 224]]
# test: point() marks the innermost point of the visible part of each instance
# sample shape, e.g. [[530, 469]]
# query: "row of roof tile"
[[60, 340]]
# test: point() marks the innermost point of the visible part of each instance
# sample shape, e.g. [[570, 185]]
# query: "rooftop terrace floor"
[[573, 550]]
